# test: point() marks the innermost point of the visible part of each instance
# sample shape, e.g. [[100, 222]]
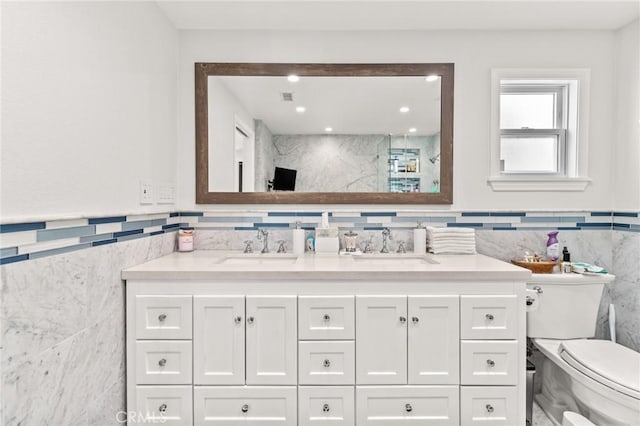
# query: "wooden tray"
[[543, 267]]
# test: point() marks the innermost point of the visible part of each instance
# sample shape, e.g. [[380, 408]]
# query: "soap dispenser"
[[420, 239]]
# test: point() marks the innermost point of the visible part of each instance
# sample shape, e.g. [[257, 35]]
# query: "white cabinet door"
[[407, 405], [165, 405], [489, 317], [326, 363], [163, 362], [488, 405], [244, 406], [163, 317], [326, 406], [489, 362], [218, 340], [271, 329], [381, 340], [326, 318], [433, 340]]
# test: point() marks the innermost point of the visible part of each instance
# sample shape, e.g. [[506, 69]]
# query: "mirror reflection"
[[336, 134]]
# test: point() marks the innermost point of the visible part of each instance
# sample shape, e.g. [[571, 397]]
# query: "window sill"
[[533, 183]]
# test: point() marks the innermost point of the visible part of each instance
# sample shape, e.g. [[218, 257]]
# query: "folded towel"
[[452, 250], [441, 230], [452, 237]]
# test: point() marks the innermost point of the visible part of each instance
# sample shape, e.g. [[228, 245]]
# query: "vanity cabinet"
[[230, 340], [331, 352], [407, 340]]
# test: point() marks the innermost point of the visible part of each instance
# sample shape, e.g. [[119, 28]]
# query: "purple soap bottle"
[[553, 247]]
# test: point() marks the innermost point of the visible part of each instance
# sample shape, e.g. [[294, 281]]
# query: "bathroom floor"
[[539, 417]]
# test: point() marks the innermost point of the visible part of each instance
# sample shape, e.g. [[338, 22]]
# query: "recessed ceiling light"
[[328, 129], [412, 130], [432, 77], [293, 78], [300, 109], [404, 109]]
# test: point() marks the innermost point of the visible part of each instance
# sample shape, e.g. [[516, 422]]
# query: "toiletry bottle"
[[311, 243], [553, 247], [566, 261], [420, 239], [298, 239]]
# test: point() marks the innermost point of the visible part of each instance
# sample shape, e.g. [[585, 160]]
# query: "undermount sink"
[[259, 259], [394, 259]]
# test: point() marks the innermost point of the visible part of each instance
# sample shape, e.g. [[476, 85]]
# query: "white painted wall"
[[626, 163], [474, 53], [88, 107]]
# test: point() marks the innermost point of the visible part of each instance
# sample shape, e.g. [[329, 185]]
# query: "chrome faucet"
[[248, 247], [282, 246], [401, 248], [367, 245], [263, 235], [386, 235]]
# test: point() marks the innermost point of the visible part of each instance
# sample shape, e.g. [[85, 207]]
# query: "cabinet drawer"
[[407, 405], [166, 405], [488, 317], [489, 362], [163, 317], [326, 363], [163, 362], [326, 318], [488, 405], [235, 405], [325, 405]]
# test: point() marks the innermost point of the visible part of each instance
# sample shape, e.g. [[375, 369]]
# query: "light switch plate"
[[166, 193], [146, 192]]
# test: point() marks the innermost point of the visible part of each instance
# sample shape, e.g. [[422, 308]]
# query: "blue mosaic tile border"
[[32, 240]]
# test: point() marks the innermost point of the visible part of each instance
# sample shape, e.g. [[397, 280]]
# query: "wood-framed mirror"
[[285, 133]]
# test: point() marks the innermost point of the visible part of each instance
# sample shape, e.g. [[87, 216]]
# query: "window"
[[537, 143]]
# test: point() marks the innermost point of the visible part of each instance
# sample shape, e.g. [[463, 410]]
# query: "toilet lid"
[[606, 362]]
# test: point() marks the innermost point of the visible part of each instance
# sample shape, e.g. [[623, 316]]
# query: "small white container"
[[298, 240], [185, 239], [420, 239]]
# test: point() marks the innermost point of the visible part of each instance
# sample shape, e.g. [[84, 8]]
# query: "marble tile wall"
[[63, 334]]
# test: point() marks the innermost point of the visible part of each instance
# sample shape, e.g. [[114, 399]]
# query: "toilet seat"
[[608, 363]]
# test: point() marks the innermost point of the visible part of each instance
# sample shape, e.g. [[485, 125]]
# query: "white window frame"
[[573, 174]]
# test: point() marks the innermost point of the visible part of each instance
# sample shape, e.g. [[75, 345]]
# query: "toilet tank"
[[566, 307]]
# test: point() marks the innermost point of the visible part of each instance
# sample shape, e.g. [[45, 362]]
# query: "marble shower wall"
[[63, 341], [265, 154], [331, 163]]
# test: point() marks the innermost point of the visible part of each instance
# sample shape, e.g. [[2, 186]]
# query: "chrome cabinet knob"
[[162, 362], [250, 320], [162, 317], [244, 408], [489, 317], [538, 289], [491, 363], [162, 408], [237, 320], [403, 320], [415, 320], [489, 408], [326, 318], [326, 363], [408, 408], [325, 408]]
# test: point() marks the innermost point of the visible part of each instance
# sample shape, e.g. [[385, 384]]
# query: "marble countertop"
[[217, 265]]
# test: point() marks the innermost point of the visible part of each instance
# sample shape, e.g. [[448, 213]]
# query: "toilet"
[[597, 379]]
